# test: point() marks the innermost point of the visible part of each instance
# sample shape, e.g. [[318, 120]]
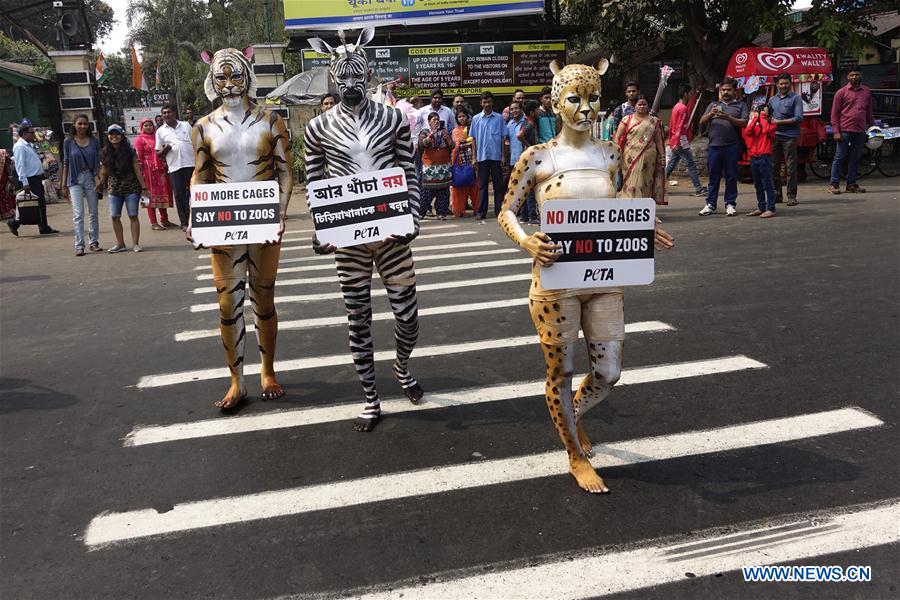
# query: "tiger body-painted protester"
[[359, 135], [571, 166], [241, 141]]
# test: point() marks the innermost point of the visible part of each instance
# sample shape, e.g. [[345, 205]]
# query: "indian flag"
[[138, 81], [100, 73]]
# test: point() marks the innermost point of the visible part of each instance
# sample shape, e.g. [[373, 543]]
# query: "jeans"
[[786, 147], [761, 167], [131, 202], [181, 190], [84, 190], [528, 210], [489, 172], [723, 160], [674, 156], [855, 141]]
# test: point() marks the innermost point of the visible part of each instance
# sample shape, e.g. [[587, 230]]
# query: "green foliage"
[[26, 54], [176, 31], [42, 21], [839, 25]]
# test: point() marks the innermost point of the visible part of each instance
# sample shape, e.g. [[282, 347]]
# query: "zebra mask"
[[349, 68]]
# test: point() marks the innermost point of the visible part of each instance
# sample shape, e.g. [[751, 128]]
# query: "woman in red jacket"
[[759, 135]]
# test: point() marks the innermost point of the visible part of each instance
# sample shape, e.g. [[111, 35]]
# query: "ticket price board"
[[467, 69], [605, 242], [362, 208], [223, 214]]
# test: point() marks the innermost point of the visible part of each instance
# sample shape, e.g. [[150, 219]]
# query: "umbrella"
[[307, 87]]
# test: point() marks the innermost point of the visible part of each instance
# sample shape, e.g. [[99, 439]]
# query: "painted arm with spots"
[[284, 168], [204, 170], [522, 180]]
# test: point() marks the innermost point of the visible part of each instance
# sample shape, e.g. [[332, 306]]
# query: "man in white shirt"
[[437, 106], [173, 143], [30, 170]]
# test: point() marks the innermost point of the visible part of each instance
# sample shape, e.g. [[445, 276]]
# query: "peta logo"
[[382, 53], [487, 49], [777, 61], [741, 58]]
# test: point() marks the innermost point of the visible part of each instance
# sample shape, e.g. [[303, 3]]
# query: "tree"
[[708, 32], [26, 54], [42, 20]]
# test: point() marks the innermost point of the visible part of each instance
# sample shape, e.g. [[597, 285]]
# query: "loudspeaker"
[[69, 24]]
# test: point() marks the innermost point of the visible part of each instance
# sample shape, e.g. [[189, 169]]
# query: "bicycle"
[[885, 159]]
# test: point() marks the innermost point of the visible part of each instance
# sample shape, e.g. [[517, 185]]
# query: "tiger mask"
[[349, 65], [230, 77], [575, 95]]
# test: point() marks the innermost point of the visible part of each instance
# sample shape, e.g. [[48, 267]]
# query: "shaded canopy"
[[308, 87]]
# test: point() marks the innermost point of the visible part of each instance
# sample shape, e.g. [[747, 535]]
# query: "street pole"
[[268, 31]]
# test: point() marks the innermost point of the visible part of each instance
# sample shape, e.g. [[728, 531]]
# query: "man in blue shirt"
[[30, 169], [786, 110], [489, 132]]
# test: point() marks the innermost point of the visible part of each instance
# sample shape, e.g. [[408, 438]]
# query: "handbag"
[[461, 174]]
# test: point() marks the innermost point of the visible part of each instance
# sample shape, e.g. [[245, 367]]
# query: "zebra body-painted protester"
[[359, 135]]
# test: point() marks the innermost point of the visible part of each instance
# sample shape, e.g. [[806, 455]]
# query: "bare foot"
[[583, 441], [411, 388], [271, 389], [232, 399], [587, 477], [365, 424]]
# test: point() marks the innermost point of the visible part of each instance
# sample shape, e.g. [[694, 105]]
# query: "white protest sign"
[[605, 243], [223, 214], [361, 208]]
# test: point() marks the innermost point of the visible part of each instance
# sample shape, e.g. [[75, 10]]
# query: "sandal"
[[157, 227]]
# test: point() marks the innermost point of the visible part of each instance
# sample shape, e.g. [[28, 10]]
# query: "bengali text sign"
[[361, 208]]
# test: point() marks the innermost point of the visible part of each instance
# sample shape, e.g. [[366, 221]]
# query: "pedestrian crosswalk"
[[452, 266]]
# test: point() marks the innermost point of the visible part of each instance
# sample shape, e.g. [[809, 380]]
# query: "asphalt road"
[[756, 424]]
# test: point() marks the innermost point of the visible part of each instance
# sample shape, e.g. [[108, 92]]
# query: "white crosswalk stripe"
[[376, 293], [184, 336], [155, 434], [604, 571], [419, 255], [305, 245], [116, 527], [151, 381], [473, 266]]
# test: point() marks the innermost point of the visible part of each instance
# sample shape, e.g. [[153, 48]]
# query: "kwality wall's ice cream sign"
[[350, 14], [769, 62]]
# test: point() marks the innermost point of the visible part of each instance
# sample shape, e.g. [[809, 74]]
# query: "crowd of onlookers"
[[153, 171], [461, 157]]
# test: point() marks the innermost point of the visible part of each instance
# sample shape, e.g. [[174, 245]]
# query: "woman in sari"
[[436, 145], [155, 175], [463, 154], [643, 151]]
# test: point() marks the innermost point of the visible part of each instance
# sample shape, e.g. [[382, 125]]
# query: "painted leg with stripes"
[[229, 265], [354, 267], [606, 369], [560, 369], [263, 270], [406, 333]]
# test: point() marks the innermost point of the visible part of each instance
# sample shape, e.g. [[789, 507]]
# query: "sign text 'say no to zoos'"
[[362, 208], [223, 214], [605, 243]]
